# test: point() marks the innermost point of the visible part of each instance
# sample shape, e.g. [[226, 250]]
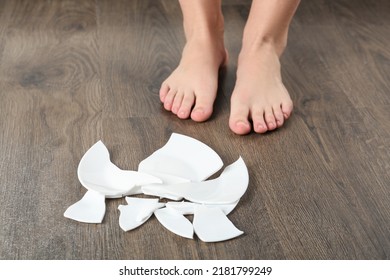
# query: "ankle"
[[205, 29], [259, 59], [258, 52], [255, 43], [206, 40]]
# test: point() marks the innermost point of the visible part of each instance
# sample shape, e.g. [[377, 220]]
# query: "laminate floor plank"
[[49, 107]]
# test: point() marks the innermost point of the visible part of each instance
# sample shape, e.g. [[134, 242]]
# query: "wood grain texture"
[[73, 72]]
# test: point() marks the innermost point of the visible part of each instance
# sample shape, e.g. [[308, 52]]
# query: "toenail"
[[241, 123], [199, 110]]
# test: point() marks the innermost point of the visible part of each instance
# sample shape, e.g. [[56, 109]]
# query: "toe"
[[200, 114], [164, 91], [270, 119], [186, 105], [259, 125], [169, 98], [287, 107], [278, 114], [177, 102], [203, 107], [240, 127], [238, 121]]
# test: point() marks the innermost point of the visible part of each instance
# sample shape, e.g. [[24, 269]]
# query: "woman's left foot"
[[259, 100]]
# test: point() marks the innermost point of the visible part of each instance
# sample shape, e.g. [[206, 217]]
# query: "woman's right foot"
[[191, 89]]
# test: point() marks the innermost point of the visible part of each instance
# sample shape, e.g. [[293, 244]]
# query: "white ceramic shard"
[[182, 157], [146, 206], [90, 209], [182, 207], [188, 208], [212, 225], [137, 212], [226, 189], [175, 222], [166, 178], [96, 172], [155, 190], [226, 208]]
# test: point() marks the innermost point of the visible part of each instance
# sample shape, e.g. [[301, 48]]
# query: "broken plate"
[[182, 158], [175, 222], [96, 172], [137, 212], [176, 171], [90, 209], [212, 225], [226, 189]]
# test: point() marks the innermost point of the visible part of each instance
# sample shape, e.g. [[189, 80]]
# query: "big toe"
[[203, 108], [238, 121]]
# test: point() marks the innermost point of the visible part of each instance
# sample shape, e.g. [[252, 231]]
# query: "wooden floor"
[[73, 72]]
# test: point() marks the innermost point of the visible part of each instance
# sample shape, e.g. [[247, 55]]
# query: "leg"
[[191, 89], [259, 94]]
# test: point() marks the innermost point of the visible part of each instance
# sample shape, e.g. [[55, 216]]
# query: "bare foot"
[[191, 89], [259, 99]]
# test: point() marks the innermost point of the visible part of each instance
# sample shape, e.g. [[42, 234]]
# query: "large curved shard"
[[182, 158], [96, 172], [228, 188]]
